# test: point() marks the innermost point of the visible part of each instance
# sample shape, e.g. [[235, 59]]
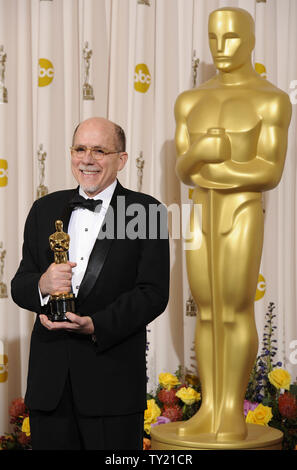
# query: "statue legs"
[[223, 276]]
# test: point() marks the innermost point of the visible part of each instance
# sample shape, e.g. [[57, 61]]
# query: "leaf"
[[293, 389]]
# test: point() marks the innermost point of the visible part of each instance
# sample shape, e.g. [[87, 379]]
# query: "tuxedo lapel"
[[100, 249], [67, 210]]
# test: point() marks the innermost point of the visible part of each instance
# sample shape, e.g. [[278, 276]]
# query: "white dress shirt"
[[84, 226]]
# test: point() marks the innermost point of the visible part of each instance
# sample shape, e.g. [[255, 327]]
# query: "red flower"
[[23, 439], [17, 408], [168, 397], [287, 405], [174, 413], [146, 444]]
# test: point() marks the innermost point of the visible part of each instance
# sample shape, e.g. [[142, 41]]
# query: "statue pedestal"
[[165, 437]]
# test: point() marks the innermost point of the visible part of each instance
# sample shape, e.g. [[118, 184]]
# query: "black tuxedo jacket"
[[125, 287]]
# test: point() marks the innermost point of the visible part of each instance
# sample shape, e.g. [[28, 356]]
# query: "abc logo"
[[261, 287], [260, 69], [142, 78], [45, 72], [3, 368], [3, 172]]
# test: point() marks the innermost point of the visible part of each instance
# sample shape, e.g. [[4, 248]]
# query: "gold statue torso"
[[218, 108], [245, 112], [59, 243]]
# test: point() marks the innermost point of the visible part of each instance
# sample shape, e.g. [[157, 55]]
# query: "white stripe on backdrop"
[[140, 60]]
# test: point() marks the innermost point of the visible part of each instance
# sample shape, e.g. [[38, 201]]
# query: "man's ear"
[[123, 157]]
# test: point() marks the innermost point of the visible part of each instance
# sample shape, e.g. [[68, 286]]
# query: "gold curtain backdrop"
[[62, 61]]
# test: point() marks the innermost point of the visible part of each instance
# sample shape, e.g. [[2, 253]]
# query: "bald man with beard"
[[86, 387]]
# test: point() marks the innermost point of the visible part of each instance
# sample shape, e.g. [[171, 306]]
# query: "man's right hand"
[[56, 279]]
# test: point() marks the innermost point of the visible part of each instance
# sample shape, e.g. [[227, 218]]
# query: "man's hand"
[[77, 324], [56, 279]]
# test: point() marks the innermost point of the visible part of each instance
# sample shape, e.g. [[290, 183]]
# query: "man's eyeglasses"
[[79, 151]]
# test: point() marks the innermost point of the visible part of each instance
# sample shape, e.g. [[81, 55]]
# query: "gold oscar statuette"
[[3, 89], [60, 302], [231, 141], [3, 287], [42, 190], [191, 307], [88, 93], [195, 65], [139, 165]]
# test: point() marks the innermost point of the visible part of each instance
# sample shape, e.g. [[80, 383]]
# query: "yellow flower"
[[26, 426], [280, 378], [261, 415], [168, 380], [151, 414], [188, 395]]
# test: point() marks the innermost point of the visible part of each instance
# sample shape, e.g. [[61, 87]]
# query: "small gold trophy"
[[191, 307], [3, 89], [88, 93], [42, 190], [139, 166], [60, 302], [3, 287]]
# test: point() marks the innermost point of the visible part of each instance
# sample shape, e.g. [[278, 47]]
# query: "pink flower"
[[161, 420], [249, 406]]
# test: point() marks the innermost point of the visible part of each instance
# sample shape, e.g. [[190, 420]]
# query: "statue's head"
[[231, 34]]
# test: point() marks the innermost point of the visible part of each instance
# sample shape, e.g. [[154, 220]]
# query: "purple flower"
[[248, 405], [161, 420]]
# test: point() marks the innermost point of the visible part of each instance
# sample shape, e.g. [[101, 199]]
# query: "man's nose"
[[88, 158]]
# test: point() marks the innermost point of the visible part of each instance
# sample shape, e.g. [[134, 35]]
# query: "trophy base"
[[59, 305], [88, 92], [41, 191], [259, 437], [3, 94]]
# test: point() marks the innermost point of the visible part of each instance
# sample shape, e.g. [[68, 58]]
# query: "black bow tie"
[[90, 204]]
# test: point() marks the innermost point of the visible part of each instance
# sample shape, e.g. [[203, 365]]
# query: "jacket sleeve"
[[135, 309], [24, 285]]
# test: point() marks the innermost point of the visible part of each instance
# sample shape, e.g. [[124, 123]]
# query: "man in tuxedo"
[[86, 384]]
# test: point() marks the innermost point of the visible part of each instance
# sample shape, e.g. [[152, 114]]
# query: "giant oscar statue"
[[231, 139]]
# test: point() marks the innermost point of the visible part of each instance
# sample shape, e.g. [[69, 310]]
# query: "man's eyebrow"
[[96, 145]]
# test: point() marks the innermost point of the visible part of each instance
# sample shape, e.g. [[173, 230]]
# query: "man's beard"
[[91, 189]]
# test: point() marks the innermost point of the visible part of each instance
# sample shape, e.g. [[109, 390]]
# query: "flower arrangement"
[[177, 398], [271, 397], [278, 408], [20, 438]]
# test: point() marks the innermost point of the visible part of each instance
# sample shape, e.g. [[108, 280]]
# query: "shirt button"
[[77, 287], [86, 229], [81, 258]]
